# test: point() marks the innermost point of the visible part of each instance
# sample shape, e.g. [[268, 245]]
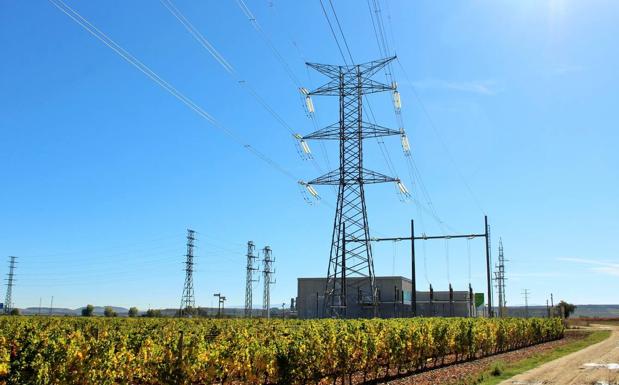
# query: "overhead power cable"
[[206, 44], [441, 140], [84, 23], [383, 46], [254, 22]]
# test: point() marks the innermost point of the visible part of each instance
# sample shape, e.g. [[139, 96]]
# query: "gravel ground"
[[459, 373], [596, 364]]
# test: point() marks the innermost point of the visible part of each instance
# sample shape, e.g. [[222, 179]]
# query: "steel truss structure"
[[350, 84], [188, 302]]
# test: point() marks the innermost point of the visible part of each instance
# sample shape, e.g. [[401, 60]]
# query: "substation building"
[[394, 299]]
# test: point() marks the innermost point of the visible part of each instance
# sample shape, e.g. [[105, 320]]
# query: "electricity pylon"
[[249, 281], [267, 271], [350, 84], [500, 280], [8, 301], [188, 302]]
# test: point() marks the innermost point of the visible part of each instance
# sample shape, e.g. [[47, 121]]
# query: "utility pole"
[[350, 83], [267, 271], [51, 306], [249, 280], [8, 301], [220, 302], [488, 264], [188, 302], [499, 277], [552, 304], [526, 294]]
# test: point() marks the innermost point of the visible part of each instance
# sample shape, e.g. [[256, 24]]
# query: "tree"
[[153, 313], [14, 311], [88, 311], [568, 308], [108, 311], [133, 312]]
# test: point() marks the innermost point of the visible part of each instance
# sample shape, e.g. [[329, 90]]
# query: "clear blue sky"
[[102, 170]]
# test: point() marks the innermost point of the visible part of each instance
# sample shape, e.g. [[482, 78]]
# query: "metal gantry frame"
[[350, 83], [412, 238]]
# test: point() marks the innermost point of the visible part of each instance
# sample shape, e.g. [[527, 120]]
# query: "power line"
[[204, 42], [441, 140], [84, 23], [254, 22], [339, 26], [324, 11]]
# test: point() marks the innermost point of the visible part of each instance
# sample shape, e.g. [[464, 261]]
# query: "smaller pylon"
[[499, 277], [8, 301], [188, 301], [267, 272], [249, 280]]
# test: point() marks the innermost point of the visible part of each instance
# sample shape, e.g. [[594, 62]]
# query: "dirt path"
[[590, 366]]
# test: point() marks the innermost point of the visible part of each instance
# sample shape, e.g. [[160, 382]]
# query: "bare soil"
[[590, 366], [463, 373]]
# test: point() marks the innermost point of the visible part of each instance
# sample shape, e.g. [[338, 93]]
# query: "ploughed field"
[[63, 350]]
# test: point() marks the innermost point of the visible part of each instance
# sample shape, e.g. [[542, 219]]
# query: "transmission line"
[[206, 44], [84, 23]]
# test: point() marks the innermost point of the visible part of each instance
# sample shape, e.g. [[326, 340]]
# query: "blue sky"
[[102, 170]]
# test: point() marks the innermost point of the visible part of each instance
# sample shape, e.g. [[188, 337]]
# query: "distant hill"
[[597, 311], [604, 311], [121, 311]]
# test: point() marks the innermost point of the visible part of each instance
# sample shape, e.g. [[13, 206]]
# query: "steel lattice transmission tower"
[[267, 272], [350, 84], [8, 301], [249, 281], [188, 302], [500, 279]]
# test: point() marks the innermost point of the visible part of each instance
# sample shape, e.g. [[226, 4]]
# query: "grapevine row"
[[161, 352]]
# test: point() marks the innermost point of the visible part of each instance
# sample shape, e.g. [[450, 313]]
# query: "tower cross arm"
[[367, 177], [369, 130]]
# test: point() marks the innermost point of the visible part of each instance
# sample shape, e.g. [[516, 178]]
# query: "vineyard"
[[199, 351]]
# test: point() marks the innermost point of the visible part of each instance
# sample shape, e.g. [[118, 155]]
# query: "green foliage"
[[133, 312], [108, 311], [88, 311], [15, 311], [89, 351], [497, 368], [568, 308], [153, 313]]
